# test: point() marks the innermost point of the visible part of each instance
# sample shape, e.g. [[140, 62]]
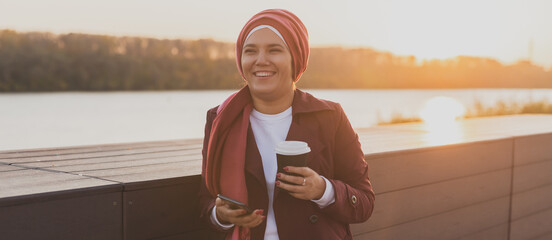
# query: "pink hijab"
[[293, 31], [225, 165]]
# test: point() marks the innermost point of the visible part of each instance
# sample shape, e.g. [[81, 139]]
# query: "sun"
[[442, 110], [440, 115]]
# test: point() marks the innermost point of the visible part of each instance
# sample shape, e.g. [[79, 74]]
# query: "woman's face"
[[266, 64]]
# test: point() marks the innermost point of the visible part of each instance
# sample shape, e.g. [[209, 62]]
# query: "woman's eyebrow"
[[269, 45], [275, 45]]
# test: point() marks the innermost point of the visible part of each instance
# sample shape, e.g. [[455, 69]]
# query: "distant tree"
[[36, 61]]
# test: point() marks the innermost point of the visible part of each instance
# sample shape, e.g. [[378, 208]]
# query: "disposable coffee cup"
[[292, 153]]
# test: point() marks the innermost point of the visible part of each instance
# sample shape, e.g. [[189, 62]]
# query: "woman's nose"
[[262, 59]]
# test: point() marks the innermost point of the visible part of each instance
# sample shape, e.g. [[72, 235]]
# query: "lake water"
[[41, 120]]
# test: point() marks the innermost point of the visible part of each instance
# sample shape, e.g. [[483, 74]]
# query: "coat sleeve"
[[206, 201], [354, 197]]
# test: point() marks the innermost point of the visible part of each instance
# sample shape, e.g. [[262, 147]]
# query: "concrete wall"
[[532, 188], [498, 189]]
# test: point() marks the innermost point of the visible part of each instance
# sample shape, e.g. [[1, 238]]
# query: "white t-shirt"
[[269, 130]]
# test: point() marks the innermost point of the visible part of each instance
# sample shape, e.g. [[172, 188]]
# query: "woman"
[[240, 135]]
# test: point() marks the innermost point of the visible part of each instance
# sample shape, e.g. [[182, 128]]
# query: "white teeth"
[[263, 74]]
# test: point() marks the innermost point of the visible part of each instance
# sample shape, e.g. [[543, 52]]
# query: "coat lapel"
[[253, 161]]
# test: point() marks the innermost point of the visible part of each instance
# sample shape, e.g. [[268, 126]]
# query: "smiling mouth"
[[264, 74]]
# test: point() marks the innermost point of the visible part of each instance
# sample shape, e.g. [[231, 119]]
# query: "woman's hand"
[[238, 217], [310, 185]]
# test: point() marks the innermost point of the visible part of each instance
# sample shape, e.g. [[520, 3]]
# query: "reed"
[[509, 108], [399, 118], [479, 110]]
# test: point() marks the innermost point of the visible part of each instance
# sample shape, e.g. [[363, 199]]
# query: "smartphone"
[[235, 204]]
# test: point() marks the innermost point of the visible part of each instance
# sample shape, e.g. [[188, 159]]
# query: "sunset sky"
[[502, 29]]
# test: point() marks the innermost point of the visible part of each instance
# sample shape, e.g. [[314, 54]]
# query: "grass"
[[504, 108], [479, 110], [399, 118]]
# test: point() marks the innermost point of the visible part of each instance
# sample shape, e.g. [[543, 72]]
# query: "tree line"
[[37, 61]]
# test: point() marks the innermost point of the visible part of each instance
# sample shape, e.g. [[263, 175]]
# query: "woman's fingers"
[[303, 171], [297, 180], [238, 216], [251, 220], [225, 214], [290, 187], [313, 187]]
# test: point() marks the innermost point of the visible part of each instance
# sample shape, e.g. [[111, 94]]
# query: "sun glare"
[[439, 110], [439, 115]]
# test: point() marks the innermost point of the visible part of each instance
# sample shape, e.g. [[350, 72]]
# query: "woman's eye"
[[275, 50], [249, 51]]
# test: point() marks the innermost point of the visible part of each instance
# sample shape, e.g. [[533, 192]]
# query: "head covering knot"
[[292, 30]]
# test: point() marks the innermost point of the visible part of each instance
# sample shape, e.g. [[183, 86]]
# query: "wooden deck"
[[490, 181]]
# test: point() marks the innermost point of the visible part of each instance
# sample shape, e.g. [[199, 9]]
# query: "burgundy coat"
[[335, 154]]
